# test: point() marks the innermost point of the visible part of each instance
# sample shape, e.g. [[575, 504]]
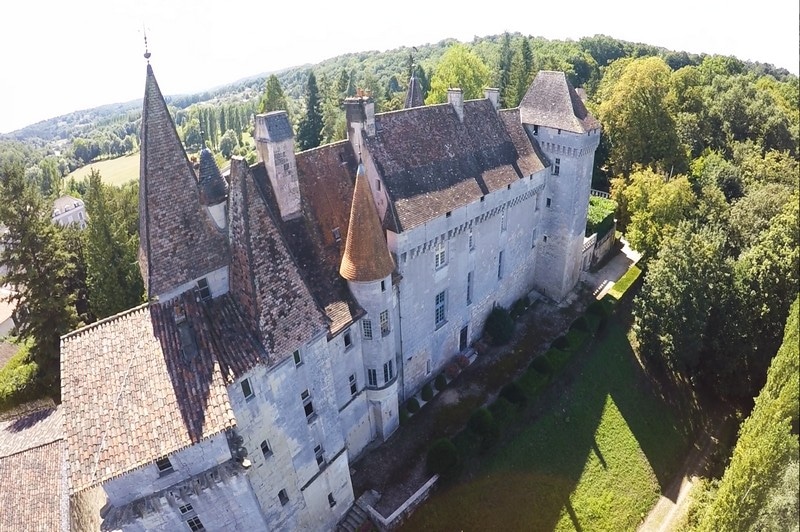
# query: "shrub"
[[541, 365], [513, 393], [596, 308], [625, 282], [452, 370], [481, 421], [442, 458], [519, 307], [499, 326], [503, 411], [462, 361], [576, 338], [558, 358], [427, 392], [404, 415], [561, 343], [412, 405], [580, 324], [440, 382], [18, 380], [532, 382]]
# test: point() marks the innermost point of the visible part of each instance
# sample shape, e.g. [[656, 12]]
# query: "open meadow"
[[113, 171]]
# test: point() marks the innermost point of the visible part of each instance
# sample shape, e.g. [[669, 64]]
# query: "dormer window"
[[164, 466], [203, 290], [337, 234], [535, 129]]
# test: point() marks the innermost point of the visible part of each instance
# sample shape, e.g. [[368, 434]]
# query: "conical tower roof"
[[178, 242], [414, 94], [366, 256], [213, 188]]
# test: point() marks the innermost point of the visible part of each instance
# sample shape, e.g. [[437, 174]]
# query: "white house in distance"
[[293, 308], [68, 210]]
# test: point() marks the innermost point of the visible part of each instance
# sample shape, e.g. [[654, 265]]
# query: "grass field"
[[113, 171], [596, 460]]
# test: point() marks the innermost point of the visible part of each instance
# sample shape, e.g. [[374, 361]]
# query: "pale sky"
[[61, 56]]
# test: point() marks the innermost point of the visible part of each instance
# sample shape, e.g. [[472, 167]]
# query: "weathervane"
[[146, 50]]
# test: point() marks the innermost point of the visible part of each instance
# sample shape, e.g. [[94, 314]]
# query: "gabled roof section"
[[432, 163], [178, 239], [551, 101], [531, 160], [213, 188], [414, 93], [132, 392], [265, 279], [366, 255]]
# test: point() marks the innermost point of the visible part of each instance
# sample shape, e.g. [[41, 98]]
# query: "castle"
[[295, 306]]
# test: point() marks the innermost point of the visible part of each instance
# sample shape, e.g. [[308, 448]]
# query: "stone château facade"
[[293, 308]]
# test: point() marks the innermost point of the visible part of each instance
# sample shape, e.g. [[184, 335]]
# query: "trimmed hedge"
[[532, 382], [580, 324], [514, 394], [481, 421], [443, 458], [558, 358], [625, 282], [440, 382], [427, 392], [412, 405], [541, 365], [561, 343], [503, 411], [499, 326]]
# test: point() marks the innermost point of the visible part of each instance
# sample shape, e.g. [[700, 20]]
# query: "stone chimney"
[[360, 113], [456, 98], [493, 95], [275, 146]]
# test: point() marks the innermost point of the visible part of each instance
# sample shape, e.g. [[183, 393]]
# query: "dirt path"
[[674, 502]]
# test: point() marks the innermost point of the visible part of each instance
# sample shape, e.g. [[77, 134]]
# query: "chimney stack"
[[275, 146], [456, 98], [493, 95]]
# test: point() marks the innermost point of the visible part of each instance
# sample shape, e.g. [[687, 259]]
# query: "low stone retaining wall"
[[386, 524]]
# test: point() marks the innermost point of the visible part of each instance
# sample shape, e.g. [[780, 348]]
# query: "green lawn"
[[595, 460], [625, 282], [113, 171]]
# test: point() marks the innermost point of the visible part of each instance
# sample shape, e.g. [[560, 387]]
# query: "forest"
[[699, 152]]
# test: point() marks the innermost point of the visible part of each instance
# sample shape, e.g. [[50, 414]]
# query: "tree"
[[636, 112], [309, 132], [458, 67], [521, 73], [273, 99], [504, 69], [112, 243], [228, 143], [767, 443], [38, 268]]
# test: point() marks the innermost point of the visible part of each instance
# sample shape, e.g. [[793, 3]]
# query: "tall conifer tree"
[[309, 133]]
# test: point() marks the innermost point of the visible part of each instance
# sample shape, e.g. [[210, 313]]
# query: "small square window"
[[384, 323], [185, 509], [508, 186], [164, 466], [247, 390], [544, 239], [383, 286], [331, 500], [483, 198], [348, 339], [448, 214], [353, 385], [535, 129], [284, 497], [194, 524], [548, 202], [266, 450], [308, 406], [318, 454], [298, 360]]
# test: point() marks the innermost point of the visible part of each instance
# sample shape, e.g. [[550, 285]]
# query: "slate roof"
[[366, 255], [264, 277], [213, 189], [432, 162], [32, 494], [551, 101], [178, 239], [140, 385], [278, 126], [414, 94], [531, 159]]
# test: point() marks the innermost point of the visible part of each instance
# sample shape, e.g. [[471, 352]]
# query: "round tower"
[[367, 266]]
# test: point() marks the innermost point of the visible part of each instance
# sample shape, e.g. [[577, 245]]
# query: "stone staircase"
[[358, 514]]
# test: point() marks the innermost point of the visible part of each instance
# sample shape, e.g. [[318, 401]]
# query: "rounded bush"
[[440, 382], [442, 457], [541, 365], [503, 411], [452, 370], [427, 392], [462, 361], [499, 326], [561, 343], [481, 421], [412, 405], [580, 324], [597, 308], [513, 393]]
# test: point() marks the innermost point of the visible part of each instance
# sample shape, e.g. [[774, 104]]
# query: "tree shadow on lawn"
[[578, 462]]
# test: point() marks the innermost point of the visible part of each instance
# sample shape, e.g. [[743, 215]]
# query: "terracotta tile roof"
[[551, 101], [366, 255], [140, 385], [31, 429], [432, 162], [32, 491], [178, 239], [265, 279]]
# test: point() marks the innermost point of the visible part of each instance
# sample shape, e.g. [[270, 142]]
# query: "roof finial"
[[146, 49]]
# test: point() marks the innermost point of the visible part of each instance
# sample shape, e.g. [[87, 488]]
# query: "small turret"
[[213, 188], [414, 94]]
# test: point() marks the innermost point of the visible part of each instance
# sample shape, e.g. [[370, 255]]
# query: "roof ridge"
[[108, 319], [31, 448]]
